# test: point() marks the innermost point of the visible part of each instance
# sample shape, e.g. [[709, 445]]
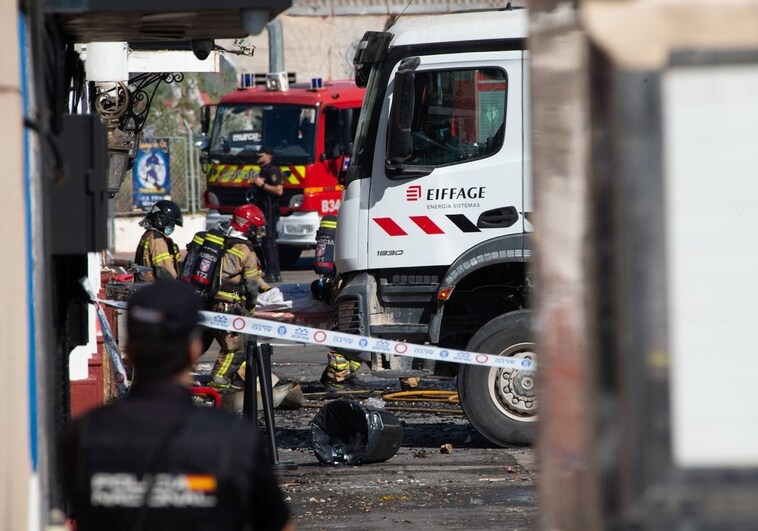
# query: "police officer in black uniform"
[[156, 461], [270, 187]]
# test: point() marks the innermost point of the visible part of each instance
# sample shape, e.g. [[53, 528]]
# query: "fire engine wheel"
[[288, 255], [501, 403]]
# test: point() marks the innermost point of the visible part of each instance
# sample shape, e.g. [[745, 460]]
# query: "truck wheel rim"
[[514, 391]]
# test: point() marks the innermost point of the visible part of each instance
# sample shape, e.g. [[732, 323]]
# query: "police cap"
[[165, 308]]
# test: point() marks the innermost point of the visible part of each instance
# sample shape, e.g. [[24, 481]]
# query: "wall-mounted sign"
[[152, 174]]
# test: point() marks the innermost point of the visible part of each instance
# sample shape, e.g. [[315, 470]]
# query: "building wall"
[[313, 46], [320, 36], [15, 448], [127, 233]]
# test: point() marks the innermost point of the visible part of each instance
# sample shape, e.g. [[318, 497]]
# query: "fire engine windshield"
[[241, 130]]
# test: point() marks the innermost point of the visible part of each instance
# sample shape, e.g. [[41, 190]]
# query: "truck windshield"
[[240, 130], [362, 152]]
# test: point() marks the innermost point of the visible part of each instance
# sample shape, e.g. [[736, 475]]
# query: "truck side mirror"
[[361, 75], [205, 119], [344, 165], [371, 50], [202, 142], [346, 120], [399, 139]]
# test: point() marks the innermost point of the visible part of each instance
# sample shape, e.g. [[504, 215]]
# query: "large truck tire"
[[501, 403], [288, 255]]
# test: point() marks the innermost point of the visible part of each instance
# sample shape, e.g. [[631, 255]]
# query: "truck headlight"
[[296, 201], [211, 200]]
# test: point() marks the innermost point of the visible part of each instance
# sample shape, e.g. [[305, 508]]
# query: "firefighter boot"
[[339, 374], [225, 369]]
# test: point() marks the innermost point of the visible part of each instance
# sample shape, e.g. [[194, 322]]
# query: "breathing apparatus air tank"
[[323, 263]]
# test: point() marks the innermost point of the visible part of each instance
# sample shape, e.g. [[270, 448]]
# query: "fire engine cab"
[[310, 126]]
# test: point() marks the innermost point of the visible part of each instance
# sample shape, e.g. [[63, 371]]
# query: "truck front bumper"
[[298, 229]]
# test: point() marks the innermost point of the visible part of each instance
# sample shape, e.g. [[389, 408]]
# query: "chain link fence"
[[187, 180]]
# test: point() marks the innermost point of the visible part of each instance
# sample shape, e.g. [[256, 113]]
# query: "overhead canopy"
[[161, 21]]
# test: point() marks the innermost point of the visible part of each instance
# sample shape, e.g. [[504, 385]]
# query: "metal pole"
[[112, 225], [193, 171], [263, 357], [275, 46], [249, 398], [191, 189]]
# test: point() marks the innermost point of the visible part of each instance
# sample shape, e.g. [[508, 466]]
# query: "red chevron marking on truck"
[[427, 225], [390, 227]]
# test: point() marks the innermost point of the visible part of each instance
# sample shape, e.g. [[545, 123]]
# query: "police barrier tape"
[[119, 372], [329, 338]]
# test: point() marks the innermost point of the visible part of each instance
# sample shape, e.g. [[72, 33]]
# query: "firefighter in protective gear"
[[340, 371], [238, 274], [340, 374], [156, 249]]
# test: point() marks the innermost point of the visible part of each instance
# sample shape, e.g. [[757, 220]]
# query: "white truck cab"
[[432, 233]]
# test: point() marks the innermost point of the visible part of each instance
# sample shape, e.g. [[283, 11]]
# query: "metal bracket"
[[125, 107]]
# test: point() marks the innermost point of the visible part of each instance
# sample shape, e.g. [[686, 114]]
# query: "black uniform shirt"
[[268, 202], [209, 469]]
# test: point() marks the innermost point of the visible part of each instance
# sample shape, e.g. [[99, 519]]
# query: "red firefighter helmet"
[[246, 217]]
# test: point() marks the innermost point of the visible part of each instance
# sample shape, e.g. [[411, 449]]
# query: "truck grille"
[[235, 196], [414, 279], [349, 316], [229, 196]]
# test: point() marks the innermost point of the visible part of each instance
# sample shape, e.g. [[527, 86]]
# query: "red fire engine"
[[310, 126]]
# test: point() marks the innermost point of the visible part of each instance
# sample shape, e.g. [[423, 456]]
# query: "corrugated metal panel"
[[152, 21], [324, 8]]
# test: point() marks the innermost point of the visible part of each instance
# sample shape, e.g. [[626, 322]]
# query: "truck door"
[[463, 181], [528, 218]]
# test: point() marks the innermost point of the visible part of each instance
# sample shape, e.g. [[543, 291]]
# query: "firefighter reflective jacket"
[[230, 264], [159, 252]]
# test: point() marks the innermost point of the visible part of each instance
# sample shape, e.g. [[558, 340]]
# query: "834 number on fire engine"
[[330, 206]]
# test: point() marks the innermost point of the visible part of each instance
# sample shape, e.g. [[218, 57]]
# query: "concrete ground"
[[476, 486]]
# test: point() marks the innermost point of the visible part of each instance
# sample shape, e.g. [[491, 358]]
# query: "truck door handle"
[[498, 218]]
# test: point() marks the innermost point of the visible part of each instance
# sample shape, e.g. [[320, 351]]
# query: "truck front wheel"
[[501, 403]]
